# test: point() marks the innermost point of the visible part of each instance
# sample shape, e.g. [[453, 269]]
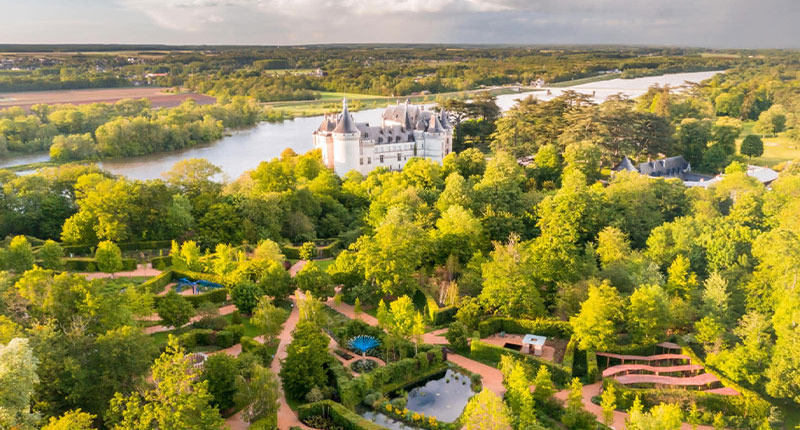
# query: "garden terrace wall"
[[339, 414], [542, 327], [86, 264], [488, 353], [124, 246]]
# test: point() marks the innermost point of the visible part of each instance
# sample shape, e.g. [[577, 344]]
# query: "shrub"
[[225, 339], [236, 318], [592, 372], [237, 330], [569, 356], [457, 335], [372, 398], [213, 323]]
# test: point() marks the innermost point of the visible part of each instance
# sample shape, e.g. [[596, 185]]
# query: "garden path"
[[141, 270]]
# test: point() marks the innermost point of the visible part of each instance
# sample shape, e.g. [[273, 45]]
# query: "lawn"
[[776, 149]]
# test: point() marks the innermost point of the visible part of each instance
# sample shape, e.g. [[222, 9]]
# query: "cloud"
[[714, 23]]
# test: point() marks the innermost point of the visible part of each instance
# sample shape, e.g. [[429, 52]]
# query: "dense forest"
[[522, 230]]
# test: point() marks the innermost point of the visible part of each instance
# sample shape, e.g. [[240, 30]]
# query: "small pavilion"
[[532, 340]]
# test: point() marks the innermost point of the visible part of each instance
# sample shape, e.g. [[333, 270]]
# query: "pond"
[[443, 397]]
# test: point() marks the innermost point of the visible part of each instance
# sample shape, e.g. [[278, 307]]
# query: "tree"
[[595, 325], [575, 415], [486, 411], [752, 146], [174, 310], [317, 281], [509, 286], [19, 255], [417, 331], [612, 246], [275, 281], [268, 318], [457, 336], [71, 420], [665, 416], [306, 359], [308, 251], [518, 393], [17, 380], [178, 399], [681, 281], [258, 396], [51, 254], [399, 319], [648, 314], [608, 402], [693, 138], [220, 371], [121, 358], [108, 257], [392, 255], [771, 121], [245, 296], [543, 385]]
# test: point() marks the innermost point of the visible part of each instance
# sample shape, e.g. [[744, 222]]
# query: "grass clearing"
[[777, 149]]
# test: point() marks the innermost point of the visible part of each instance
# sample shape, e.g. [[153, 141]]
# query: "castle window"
[[361, 161], [380, 140], [369, 160], [398, 156], [381, 158]]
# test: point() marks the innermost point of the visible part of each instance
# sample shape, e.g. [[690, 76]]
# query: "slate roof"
[[667, 167], [346, 124], [625, 164]]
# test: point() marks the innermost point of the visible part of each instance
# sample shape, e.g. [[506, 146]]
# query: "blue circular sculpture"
[[363, 343]]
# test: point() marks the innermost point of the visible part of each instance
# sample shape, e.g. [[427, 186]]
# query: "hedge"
[[569, 355], [339, 414], [542, 326], [592, 372], [207, 337], [292, 252], [86, 264], [389, 377], [156, 284], [437, 315], [489, 353], [124, 246], [161, 262]]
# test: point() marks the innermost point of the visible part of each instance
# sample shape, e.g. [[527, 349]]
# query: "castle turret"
[[346, 137]]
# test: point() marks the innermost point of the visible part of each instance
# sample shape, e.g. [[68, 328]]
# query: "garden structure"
[[363, 343]]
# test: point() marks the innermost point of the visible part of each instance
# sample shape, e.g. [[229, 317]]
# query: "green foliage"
[[312, 278], [71, 420], [268, 318], [17, 379], [752, 146], [51, 255], [245, 296], [259, 396], [220, 372], [458, 335], [305, 362], [174, 310], [308, 251], [486, 411], [177, 400], [488, 353], [18, 257], [595, 325], [108, 257]]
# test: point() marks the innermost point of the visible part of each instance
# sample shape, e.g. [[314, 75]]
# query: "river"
[[243, 150]]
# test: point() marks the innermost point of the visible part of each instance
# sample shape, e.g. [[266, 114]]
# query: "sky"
[[703, 23]]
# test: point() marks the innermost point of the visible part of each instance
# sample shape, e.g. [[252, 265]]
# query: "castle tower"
[[346, 143]]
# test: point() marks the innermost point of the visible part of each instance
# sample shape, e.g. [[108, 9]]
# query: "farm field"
[[156, 95]]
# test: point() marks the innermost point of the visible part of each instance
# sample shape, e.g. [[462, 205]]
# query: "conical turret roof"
[[346, 125], [434, 126]]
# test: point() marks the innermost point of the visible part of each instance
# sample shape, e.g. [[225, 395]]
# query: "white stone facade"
[[406, 131]]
